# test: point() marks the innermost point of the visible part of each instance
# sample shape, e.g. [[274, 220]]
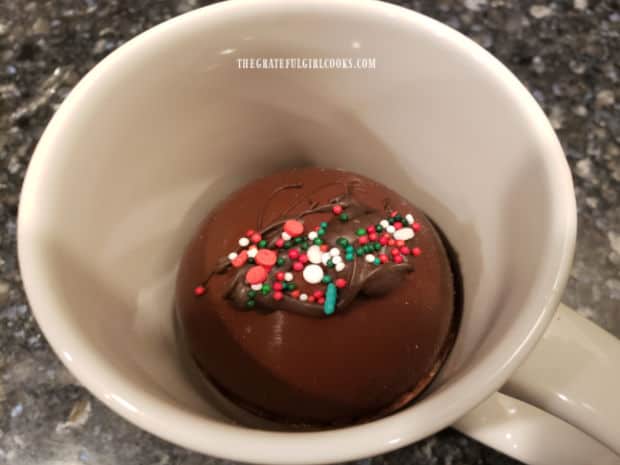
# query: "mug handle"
[[572, 373]]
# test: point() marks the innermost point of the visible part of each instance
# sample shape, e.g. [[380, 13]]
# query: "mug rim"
[[237, 442]]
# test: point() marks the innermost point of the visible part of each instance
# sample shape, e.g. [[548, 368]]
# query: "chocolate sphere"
[[360, 330]]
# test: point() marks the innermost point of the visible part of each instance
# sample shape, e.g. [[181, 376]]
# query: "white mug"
[[168, 125]]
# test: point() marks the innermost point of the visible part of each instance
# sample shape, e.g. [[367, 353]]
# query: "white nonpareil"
[[403, 234], [314, 254], [313, 274]]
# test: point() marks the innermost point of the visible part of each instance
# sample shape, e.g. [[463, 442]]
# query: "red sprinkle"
[[277, 295], [363, 240], [293, 228], [373, 236], [340, 283], [398, 225], [391, 242], [303, 258], [293, 254], [255, 238], [383, 241], [384, 258], [298, 266], [266, 257], [395, 251], [393, 214], [240, 260], [370, 229], [249, 233], [398, 259], [400, 243], [295, 293], [321, 300], [280, 243], [337, 209], [405, 250], [317, 294], [416, 226], [311, 298], [256, 275], [199, 290], [324, 247], [280, 275], [416, 251], [277, 286]]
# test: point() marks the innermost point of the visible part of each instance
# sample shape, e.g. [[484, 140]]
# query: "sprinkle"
[[304, 246], [370, 229], [405, 250], [390, 229], [303, 258], [324, 248], [251, 260], [303, 297], [277, 286], [330, 299], [325, 258], [298, 266], [293, 228], [252, 252], [286, 236], [291, 286], [311, 298], [326, 279], [295, 293], [320, 301], [363, 240], [400, 243], [395, 252], [330, 263], [394, 214], [312, 235], [249, 233], [280, 261], [360, 232], [340, 283], [299, 240], [318, 294], [378, 228], [344, 217], [404, 234], [250, 303], [251, 294], [416, 226], [384, 258], [391, 242], [199, 290], [370, 258], [339, 267], [313, 274], [244, 242], [317, 241], [398, 225], [337, 209], [277, 295], [323, 224], [337, 259], [384, 224], [262, 244], [232, 256], [256, 287], [377, 261], [293, 254], [266, 289], [359, 252], [288, 276], [373, 236], [279, 243], [416, 251], [256, 275], [348, 257], [255, 238], [383, 241], [398, 259], [409, 218], [240, 259], [334, 252], [377, 246], [266, 257], [321, 232], [314, 254], [287, 244], [280, 275]]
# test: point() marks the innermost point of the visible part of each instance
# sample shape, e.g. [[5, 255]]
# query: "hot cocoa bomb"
[[318, 297]]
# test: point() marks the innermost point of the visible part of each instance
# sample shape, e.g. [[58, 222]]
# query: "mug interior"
[[168, 125]]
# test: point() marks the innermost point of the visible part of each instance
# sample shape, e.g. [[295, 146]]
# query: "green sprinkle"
[[367, 248], [304, 246], [288, 244], [266, 289], [331, 294], [291, 286], [349, 248], [359, 252], [285, 286], [250, 303], [280, 261], [326, 279], [348, 257], [262, 244], [323, 224], [344, 217], [378, 228], [360, 232], [250, 260], [317, 241], [298, 240], [330, 263], [398, 217], [251, 294], [321, 232], [377, 261], [391, 221], [377, 246], [342, 242]]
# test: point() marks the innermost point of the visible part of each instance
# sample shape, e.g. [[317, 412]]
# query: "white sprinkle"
[[390, 229], [370, 258], [337, 259], [384, 223], [286, 236], [325, 257], [288, 276], [334, 252], [256, 287], [340, 266], [313, 274], [312, 235], [314, 254], [252, 251], [303, 297], [404, 234], [409, 218], [244, 242], [232, 256]]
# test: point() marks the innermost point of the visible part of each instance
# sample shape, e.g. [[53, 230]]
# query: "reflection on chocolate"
[[318, 297]]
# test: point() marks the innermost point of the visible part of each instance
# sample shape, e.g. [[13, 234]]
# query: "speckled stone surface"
[[566, 52]]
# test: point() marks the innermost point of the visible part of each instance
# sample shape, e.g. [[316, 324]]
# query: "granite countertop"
[[566, 52]]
